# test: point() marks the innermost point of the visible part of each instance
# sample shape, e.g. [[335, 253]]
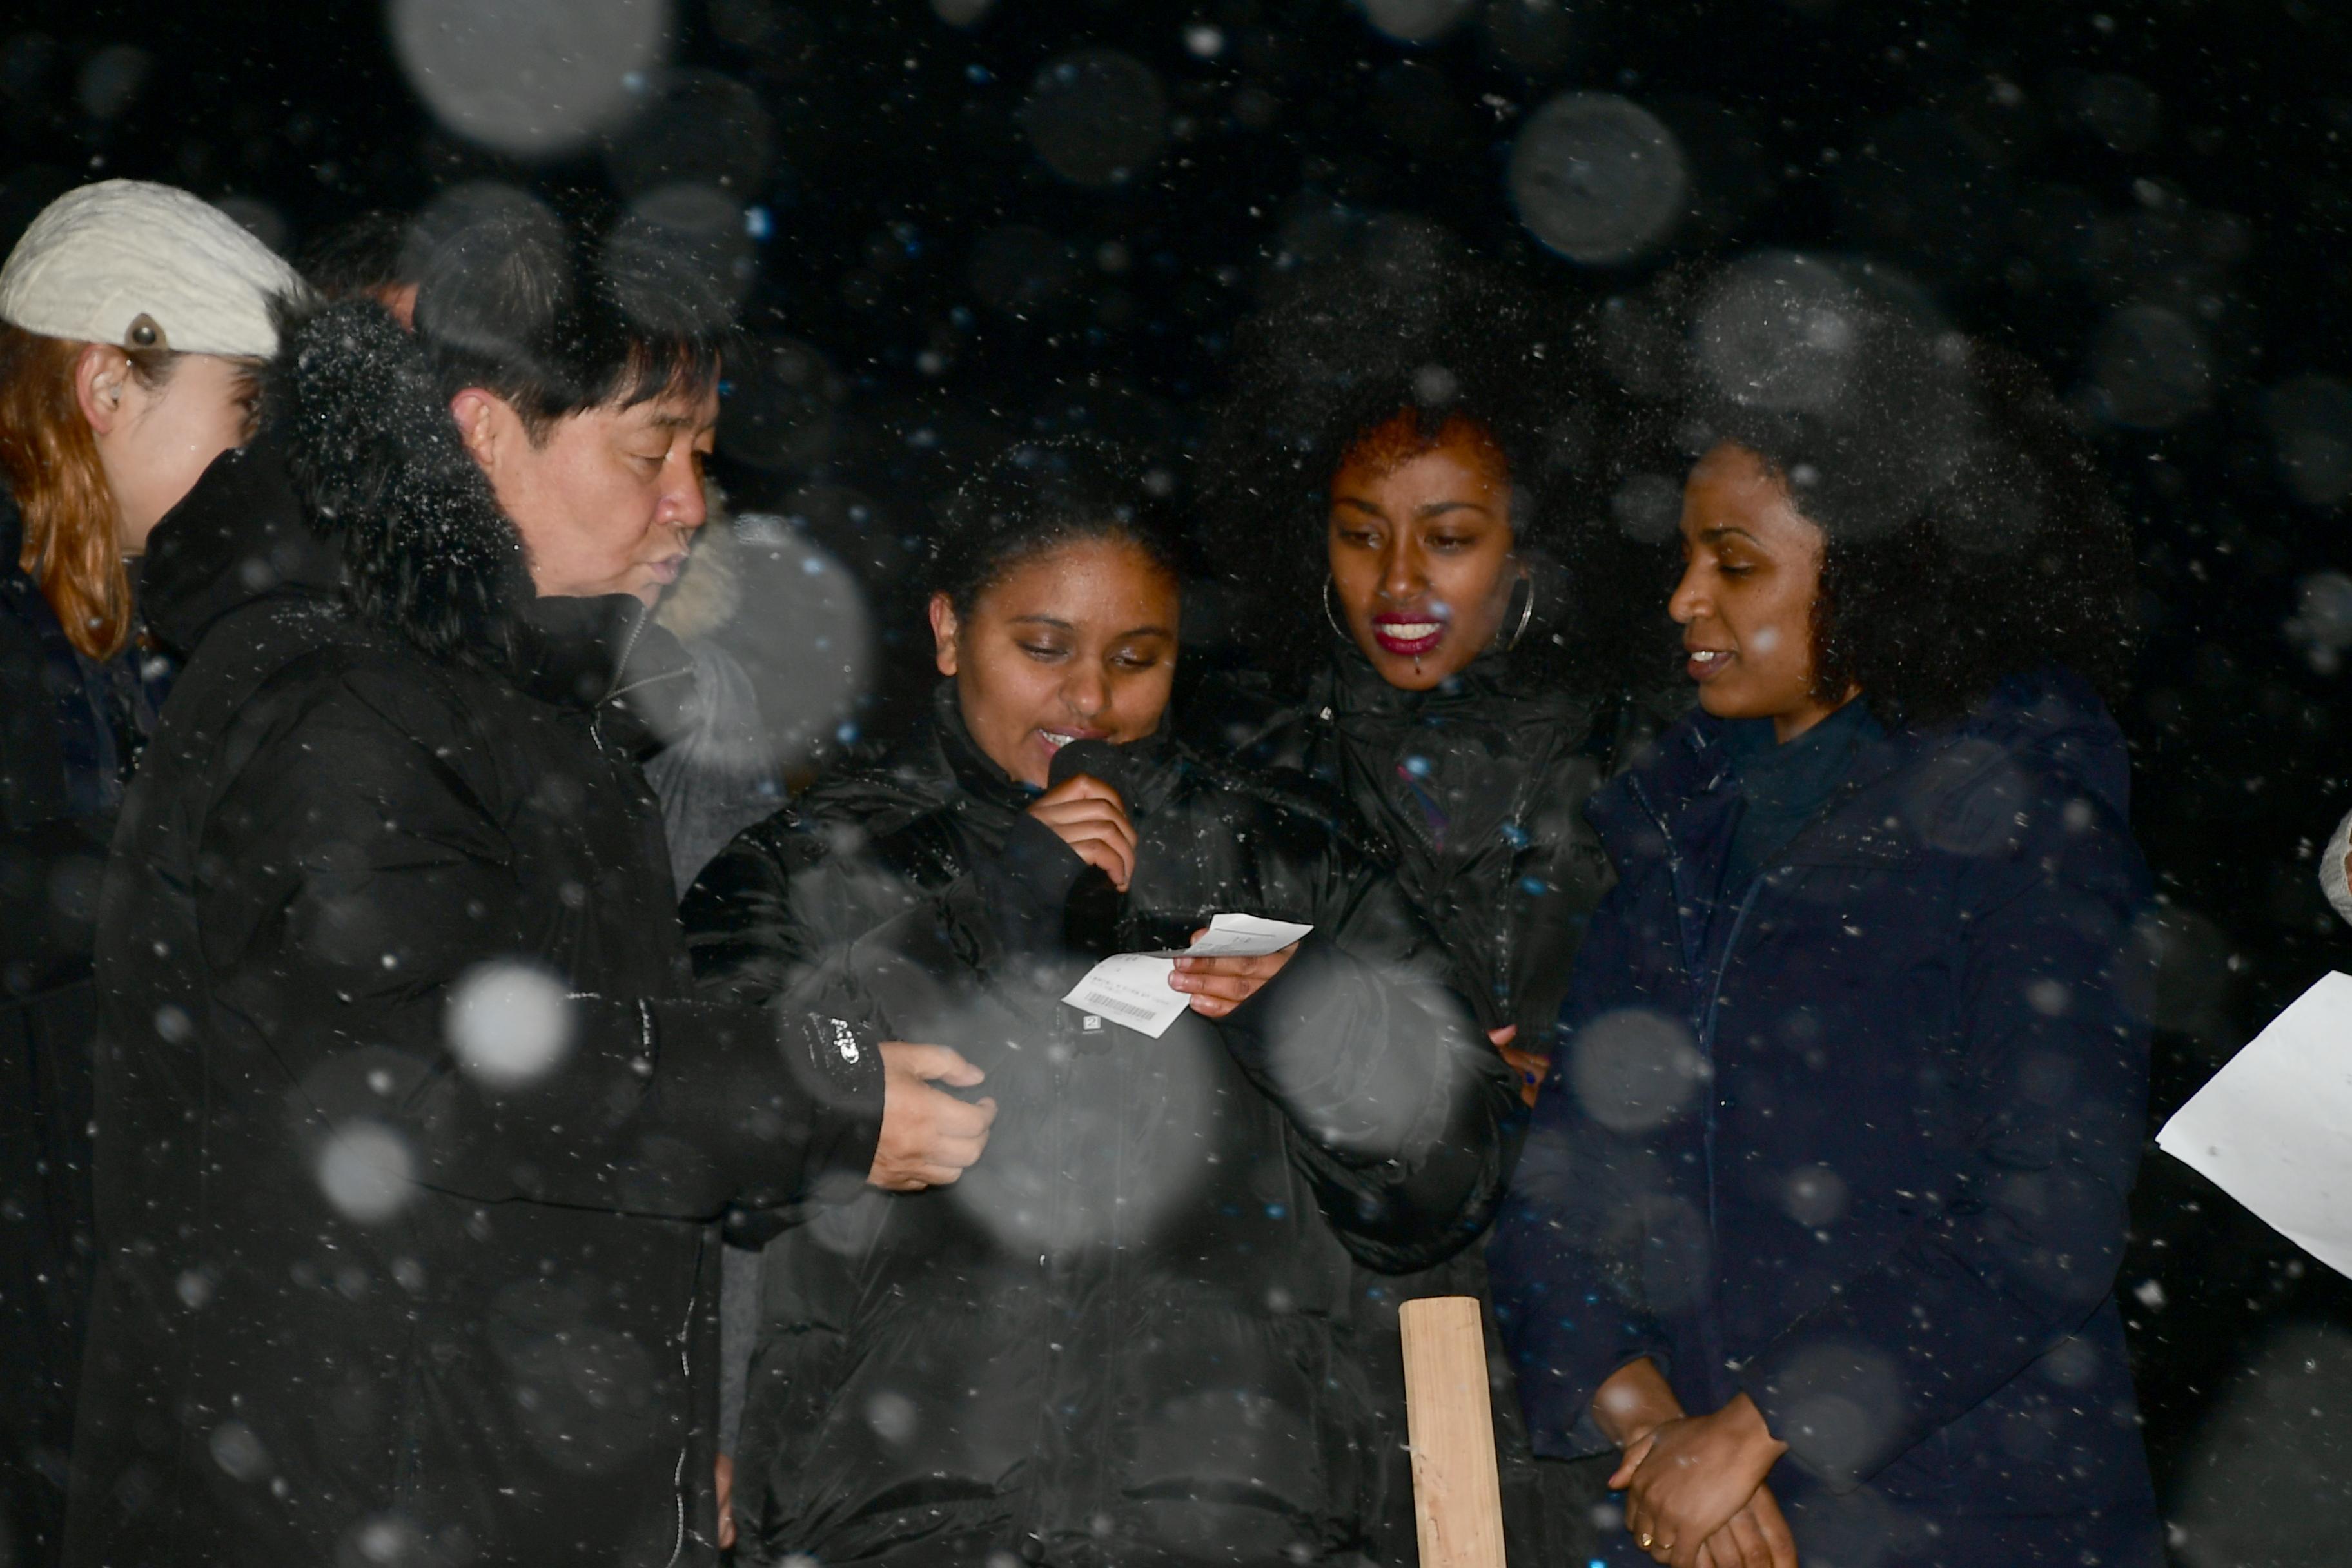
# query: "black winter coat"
[[1128, 1335], [1855, 1139], [69, 727], [361, 1301]]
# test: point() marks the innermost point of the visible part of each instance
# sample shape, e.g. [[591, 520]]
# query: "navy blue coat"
[[1855, 1139]]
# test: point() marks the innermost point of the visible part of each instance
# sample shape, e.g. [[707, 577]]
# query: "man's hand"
[[929, 1136], [1687, 1478], [1530, 1067], [1088, 815], [1218, 985]]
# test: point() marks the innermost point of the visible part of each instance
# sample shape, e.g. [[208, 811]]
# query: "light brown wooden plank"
[[1457, 1499]]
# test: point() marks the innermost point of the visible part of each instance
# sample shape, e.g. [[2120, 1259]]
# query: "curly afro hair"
[[1410, 323], [1970, 534]]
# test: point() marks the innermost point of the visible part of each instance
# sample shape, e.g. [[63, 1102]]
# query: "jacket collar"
[[237, 537], [946, 745], [1681, 787], [1490, 689]]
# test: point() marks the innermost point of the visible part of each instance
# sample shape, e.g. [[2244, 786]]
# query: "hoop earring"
[[1527, 613], [1330, 615]]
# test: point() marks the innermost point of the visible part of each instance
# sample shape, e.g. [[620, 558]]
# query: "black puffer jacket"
[[360, 1304], [1475, 793], [1128, 1335]]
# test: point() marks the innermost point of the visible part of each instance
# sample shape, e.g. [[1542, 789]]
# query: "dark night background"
[[927, 286]]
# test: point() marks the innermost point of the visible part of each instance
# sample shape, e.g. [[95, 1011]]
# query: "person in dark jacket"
[[132, 319], [409, 1130], [1820, 1222], [1129, 1339], [1403, 493]]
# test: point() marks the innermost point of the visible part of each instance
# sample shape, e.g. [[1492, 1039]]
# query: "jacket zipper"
[[1705, 1023], [685, 1371]]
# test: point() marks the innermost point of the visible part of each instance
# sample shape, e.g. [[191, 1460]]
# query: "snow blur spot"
[[1848, 1402], [892, 1418], [1434, 384], [508, 1023], [1814, 1195], [2150, 368], [194, 1288], [267, 224], [2175, 971], [530, 78], [2321, 626], [1021, 270], [686, 248], [112, 78], [2263, 1478], [172, 1024], [1779, 332], [2310, 422], [1598, 178], [1635, 1070], [366, 1172], [2149, 1294], [1536, 37], [2072, 1363], [1096, 116], [237, 1451], [2122, 111], [1163, 1120], [782, 407], [696, 127], [1415, 21], [1204, 40], [1648, 508], [384, 1540], [783, 648]]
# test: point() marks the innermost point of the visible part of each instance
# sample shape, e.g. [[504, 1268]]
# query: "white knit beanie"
[[139, 265]]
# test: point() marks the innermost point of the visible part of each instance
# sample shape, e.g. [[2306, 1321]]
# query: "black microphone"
[[1098, 760], [1090, 919]]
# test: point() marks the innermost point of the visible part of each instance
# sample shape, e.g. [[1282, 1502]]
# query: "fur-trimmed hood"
[[383, 473], [359, 489]]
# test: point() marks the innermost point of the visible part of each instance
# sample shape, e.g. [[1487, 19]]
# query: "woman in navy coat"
[[1818, 1222]]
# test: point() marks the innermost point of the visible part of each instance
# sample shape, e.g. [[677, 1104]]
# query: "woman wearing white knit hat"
[[132, 320]]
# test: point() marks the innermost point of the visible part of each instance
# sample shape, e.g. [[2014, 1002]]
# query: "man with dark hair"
[[373, 256], [410, 1139]]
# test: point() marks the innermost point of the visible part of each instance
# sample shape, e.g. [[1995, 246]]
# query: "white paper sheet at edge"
[[2274, 1127], [1132, 988]]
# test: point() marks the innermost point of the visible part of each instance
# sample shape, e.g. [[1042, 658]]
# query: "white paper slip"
[[2274, 1127], [1240, 936], [1132, 988]]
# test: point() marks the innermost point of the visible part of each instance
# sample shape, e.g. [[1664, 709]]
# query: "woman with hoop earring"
[[1405, 496]]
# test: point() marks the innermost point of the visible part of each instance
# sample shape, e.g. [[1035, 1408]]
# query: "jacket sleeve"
[[1563, 1259], [352, 883], [1402, 1116], [2024, 1248]]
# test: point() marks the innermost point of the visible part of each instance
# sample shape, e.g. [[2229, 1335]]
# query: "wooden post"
[[1456, 1499]]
